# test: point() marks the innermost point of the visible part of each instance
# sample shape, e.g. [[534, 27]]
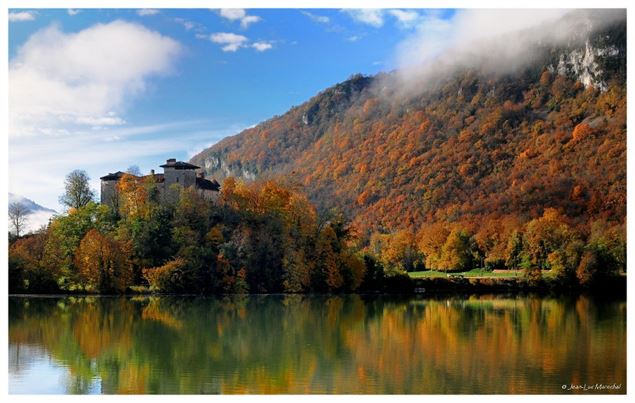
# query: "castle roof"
[[113, 176], [207, 184], [172, 163]]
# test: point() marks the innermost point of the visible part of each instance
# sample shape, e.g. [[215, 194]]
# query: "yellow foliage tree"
[[103, 263]]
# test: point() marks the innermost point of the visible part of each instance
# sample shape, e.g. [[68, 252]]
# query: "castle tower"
[[179, 172], [109, 194]]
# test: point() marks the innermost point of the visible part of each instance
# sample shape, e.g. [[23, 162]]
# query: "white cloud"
[[145, 12], [232, 42], [239, 14], [497, 41], [233, 13], [322, 19], [354, 38], [21, 16], [405, 18], [60, 82], [369, 16], [248, 20], [188, 25], [100, 121], [73, 11], [261, 46]]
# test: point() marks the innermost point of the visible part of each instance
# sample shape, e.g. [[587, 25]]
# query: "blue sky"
[[101, 90]]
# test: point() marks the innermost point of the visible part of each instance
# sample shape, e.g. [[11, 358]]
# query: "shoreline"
[[614, 286]]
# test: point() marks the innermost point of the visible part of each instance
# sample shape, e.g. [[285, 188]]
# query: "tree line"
[[266, 237], [575, 254], [259, 237]]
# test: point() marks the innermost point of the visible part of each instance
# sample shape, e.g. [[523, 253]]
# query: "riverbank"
[[612, 285], [615, 286]]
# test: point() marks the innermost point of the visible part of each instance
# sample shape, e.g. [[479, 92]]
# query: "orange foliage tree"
[[103, 263]]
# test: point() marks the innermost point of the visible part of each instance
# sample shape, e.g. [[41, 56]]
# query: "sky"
[[104, 89]]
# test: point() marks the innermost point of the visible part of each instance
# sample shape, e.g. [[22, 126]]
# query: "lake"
[[316, 344]]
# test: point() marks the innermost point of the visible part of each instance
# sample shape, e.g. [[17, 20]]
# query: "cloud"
[[493, 40], [100, 121], [60, 82], [188, 25], [354, 38], [191, 25], [405, 18], [232, 42], [73, 11], [21, 16], [145, 12], [234, 14], [322, 19], [369, 16], [261, 46], [248, 20]]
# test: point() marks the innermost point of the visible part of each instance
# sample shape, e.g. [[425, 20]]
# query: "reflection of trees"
[[312, 344]]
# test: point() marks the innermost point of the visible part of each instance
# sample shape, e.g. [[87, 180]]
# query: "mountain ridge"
[[477, 144]]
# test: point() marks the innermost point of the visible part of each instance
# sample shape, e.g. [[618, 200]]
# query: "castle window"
[[177, 180]]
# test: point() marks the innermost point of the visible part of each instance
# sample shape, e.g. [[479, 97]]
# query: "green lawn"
[[470, 273]]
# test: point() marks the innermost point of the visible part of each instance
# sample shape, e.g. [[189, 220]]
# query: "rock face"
[[583, 64], [550, 135]]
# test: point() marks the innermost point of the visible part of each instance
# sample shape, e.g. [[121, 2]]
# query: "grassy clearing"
[[471, 273]]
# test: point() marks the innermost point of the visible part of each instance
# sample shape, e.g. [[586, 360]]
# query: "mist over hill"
[[37, 216]]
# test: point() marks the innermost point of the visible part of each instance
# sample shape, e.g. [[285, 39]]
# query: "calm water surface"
[[314, 344]]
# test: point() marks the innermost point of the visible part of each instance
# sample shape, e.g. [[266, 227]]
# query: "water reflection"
[[309, 344]]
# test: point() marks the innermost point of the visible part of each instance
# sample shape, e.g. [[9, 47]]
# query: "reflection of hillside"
[[302, 344]]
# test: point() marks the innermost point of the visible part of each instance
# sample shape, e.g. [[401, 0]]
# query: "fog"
[[492, 41]]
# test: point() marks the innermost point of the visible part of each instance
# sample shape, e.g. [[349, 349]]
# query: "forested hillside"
[[471, 147]]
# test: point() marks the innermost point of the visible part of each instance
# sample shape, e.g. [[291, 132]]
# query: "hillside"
[[469, 145]]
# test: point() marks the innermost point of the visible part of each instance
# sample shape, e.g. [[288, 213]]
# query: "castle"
[[175, 174]]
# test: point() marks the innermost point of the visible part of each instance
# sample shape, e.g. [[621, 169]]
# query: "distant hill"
[[38, 215], [467, 145]]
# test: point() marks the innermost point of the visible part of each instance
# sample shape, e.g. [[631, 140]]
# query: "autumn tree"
[[398, 250], [103, 263], [133, 197], [546, 235], [328, 275], [28, 268], [456, 253], [431, 239]]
